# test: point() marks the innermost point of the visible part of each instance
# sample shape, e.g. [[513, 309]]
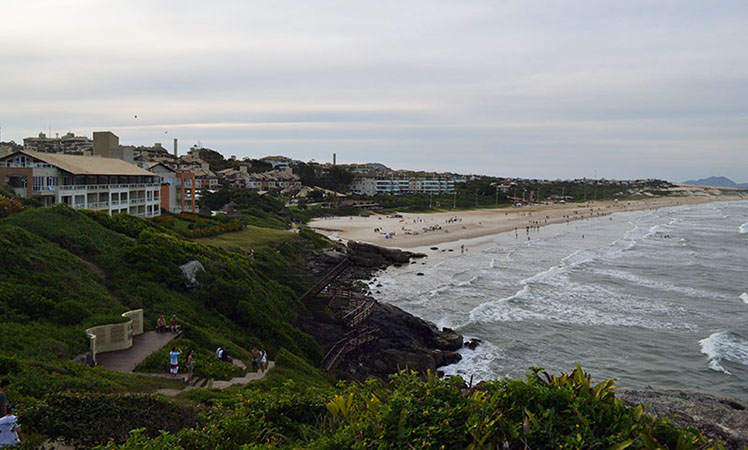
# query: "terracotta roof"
[[87, 165]]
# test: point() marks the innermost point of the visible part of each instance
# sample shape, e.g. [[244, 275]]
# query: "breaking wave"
[[724, 346]]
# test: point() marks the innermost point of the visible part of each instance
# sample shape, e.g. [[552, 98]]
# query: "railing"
[[326, 280], [351, 341], [360, 313], [93, 187]]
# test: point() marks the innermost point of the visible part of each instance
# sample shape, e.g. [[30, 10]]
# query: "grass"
[[251, 238]]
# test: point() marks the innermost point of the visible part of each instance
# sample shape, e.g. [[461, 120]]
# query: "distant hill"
[[716, 181]]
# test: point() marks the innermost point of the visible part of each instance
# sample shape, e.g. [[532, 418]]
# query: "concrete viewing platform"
[[142, 346]]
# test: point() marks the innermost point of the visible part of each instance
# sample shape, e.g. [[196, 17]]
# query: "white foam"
[[744, 297], [476, 363], [743, 229], [724, 346]]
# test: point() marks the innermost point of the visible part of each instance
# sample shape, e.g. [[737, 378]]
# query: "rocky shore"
[[402, 340], [406, 341], [717, 417]]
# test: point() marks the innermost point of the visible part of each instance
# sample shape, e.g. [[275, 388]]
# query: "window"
[[51, 183], [38, 183]]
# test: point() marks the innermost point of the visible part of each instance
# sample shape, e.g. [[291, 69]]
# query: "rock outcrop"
[[404, 341], [717, 417]]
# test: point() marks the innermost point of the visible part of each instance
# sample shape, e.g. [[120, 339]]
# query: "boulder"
[[448, 339], [190, 271]]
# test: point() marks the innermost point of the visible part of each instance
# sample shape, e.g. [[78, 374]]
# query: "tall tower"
[[176, 153], [334, 159]]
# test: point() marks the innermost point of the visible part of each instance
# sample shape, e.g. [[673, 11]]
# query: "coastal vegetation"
[[62, 271], [543, 411]]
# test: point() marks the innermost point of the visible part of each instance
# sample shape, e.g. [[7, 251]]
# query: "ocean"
[[652, 298]]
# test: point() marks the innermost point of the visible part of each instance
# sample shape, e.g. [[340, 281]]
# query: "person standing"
[[174, 360], [263, 360], [190, 363], [255, 358]]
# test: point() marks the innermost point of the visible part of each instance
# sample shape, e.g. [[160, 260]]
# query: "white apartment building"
[[83, 182], [395, 186]]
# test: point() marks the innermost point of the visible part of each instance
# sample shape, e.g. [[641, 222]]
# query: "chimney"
[[176, 152], [334, 158]]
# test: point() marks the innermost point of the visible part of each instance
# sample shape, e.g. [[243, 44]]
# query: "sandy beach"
[[412, 230]]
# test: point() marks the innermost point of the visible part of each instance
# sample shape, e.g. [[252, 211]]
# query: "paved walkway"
[[142, 345], [236, 381]]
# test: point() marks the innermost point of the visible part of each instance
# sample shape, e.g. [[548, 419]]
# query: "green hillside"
[[62, 271]]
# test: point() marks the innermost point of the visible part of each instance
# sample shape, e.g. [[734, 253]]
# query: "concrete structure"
[[117, 336], [106, 145], [83, 182], [68, 144]]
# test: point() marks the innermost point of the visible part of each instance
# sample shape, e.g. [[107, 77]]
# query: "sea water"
[[651, 298]]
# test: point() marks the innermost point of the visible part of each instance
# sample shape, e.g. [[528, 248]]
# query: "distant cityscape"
[[101, 174]]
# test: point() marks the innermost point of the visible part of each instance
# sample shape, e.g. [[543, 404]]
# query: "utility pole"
[[476, 197], [431, 198], [454, 201], [497, 194]]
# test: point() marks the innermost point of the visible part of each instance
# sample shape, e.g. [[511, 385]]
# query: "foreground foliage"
[[543, 411]]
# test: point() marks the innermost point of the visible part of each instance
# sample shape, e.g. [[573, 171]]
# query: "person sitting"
[[223, 354], [174, 324], [161, 324]]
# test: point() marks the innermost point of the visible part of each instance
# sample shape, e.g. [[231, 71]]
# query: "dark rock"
[[440, 373], [434, 248], [473, 343], [442, 358], [419, 274], [333, 257], [716, 416], [448, 339]]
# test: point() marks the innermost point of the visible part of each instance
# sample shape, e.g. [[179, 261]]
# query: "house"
[[178, 188], [68, 144], [83, 182]]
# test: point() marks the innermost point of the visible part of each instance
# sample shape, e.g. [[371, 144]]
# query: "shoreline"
[[408, 231]]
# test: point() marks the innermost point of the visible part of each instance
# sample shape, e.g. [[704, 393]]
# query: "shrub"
[[10, 206], [91, 419]]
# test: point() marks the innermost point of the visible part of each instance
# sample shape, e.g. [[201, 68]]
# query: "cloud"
[[518, 88]]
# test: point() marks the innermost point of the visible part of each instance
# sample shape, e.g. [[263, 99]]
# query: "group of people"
[[174, 355], [161, 326], [259, 359], [10, 431]]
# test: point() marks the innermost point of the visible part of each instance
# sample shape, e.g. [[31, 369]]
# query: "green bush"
[[543, 411], [91, 419]]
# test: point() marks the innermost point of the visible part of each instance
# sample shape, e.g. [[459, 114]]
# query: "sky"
[[537, 89]]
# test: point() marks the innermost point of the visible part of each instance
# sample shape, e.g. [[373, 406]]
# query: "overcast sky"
[[551, 89]]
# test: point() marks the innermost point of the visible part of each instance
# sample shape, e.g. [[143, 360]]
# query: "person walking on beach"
[[174, 360]]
